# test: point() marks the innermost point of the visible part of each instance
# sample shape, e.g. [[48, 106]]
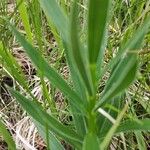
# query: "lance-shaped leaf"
[[48, 71], [133, 44], [97, 24], [97, 21], [56, 16], [124, 72], [122, 76], [25, 18], [36, 112], [76, 49]]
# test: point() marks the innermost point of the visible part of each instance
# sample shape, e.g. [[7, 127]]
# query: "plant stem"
[[91, 115]]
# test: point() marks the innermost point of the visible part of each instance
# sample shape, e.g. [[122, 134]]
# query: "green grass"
[[102, 43]]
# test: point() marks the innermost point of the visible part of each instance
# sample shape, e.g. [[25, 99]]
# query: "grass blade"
[[7, 137], [37, 113], [36, 22], [79, 82], [130, 49], [56, 16]]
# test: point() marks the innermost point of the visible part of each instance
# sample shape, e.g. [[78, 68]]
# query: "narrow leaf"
[[56, 16], [48, 71], [59, 19], [76, 48], [13, 67], [57, 81], [37, 113], [133, 44], [7, 137], [122, 76], [140, 140], [97, 22], [25, 18]]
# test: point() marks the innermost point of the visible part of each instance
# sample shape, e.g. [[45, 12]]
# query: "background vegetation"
[[73, 79]]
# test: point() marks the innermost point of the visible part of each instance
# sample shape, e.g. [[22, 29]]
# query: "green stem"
[[92, 101], [91, 115]]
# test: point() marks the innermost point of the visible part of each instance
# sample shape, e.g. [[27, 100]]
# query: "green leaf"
[[56, 16], [101, 58], [91, 142], [59, 19], [97, 23], [78, 75], [140, 140], [54, 144], [132, 45], [121, 77], [76, 49], [49, 72], [35, 10], [25, 18], [7, 137], [13, 67], [37, 113], [124, 71], [132, 125]]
